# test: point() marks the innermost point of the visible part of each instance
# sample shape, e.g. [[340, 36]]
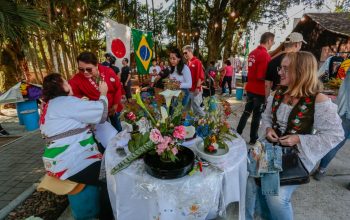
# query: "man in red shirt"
[[258, 61], [197, 74], [85, 84]]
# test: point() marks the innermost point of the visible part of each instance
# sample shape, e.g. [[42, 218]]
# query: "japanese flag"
[[117, 40]]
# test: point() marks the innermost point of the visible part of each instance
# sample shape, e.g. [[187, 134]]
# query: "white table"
[[135, 195]]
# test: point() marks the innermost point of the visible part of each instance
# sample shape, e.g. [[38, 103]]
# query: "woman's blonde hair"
[[302, 73]]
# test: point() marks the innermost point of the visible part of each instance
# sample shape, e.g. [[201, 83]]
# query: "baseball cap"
[[295, 37]]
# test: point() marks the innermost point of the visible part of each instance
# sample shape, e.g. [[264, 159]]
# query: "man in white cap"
[[292, 43]]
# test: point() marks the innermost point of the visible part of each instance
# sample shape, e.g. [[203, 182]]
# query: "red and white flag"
[[117, 40]]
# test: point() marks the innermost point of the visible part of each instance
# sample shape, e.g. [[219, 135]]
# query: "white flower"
[[215, 145], [164, 114], [144, 125], [190, 131], [169, 94]]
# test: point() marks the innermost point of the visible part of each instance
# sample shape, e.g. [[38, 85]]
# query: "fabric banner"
[[143, 44], [118, 40]]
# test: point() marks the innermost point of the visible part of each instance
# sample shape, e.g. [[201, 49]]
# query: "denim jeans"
[[255, 103], [331, 154], [267, 206], [186, 98], [115, 121], [267, 168], [279, 207]]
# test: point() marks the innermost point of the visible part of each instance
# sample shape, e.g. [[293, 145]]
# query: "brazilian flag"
[[143, 44]]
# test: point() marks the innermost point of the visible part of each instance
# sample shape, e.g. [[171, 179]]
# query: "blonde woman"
[[298, 116]]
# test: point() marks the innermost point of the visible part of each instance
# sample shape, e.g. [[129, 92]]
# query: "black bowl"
[[170, 170]]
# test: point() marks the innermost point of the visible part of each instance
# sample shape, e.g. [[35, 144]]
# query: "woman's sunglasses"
[[83, 70]]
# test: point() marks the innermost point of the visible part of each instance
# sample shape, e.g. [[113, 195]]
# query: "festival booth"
[[25, 95]]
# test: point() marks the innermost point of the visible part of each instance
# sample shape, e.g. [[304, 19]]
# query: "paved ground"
[[20, 161], [21, 166]]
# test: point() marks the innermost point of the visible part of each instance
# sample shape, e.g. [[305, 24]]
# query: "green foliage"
[[137, 141], [16, 19], [133, 156]]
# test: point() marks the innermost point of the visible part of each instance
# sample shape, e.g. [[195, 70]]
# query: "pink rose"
[[161, 148], [167, 140], [179, 132], [174, 150], [156, 136]]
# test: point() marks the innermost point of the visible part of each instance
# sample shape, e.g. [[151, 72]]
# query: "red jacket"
[[197, 72], [258, 60], [82, 86]]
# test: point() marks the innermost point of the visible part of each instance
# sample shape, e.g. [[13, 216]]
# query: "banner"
[[143, 44], [118, 41]]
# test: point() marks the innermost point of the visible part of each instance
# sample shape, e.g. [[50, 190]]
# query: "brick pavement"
[[20, 166]]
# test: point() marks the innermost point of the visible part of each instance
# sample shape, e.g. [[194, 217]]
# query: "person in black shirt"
[[292, 43], [107, 62], [113, 66], [209, 85], [125, 78]]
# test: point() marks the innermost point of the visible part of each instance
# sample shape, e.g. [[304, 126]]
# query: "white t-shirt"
[[157, 70], [185, 79]]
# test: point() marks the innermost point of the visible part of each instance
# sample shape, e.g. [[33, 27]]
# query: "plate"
[[218, 157]]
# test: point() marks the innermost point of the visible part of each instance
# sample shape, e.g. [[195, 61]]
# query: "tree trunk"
[[59, 60], [65, 60], [48, 65], [214, 34], [37, 58], [229, 31], [179, 23]]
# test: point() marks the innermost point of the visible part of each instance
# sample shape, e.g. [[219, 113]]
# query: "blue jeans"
[[331, 154], [186, 98], [115, 121], [269, 175], [267, 206]]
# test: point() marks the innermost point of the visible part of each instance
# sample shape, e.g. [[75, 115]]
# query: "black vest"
[[301, 118]]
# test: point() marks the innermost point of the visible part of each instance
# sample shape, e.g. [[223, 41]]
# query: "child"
[[154, 71]]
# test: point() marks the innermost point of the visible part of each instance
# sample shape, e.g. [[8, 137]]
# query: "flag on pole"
[[118, 40], [143, 44]]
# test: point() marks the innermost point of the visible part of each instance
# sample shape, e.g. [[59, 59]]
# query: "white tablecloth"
[[135, 195]]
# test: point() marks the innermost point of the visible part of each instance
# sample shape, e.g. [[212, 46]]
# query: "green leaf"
[[130, 158]]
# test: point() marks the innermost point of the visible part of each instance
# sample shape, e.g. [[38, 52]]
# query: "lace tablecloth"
[[135, 195]]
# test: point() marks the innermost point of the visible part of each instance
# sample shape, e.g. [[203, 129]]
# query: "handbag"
[[294, 171]]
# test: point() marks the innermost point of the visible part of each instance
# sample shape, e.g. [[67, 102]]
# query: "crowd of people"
[[283, 94]]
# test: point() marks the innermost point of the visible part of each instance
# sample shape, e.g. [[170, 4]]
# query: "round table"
[[204, 195]]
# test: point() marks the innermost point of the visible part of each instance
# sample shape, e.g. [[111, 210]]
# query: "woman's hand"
[[289, 140], [103, 88], [271, 135]]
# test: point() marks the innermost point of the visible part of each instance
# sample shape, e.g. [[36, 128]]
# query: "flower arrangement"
[[213, 127], [157, 126], [30, 91]]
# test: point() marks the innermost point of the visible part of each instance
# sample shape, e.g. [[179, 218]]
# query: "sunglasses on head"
[[83, 70]]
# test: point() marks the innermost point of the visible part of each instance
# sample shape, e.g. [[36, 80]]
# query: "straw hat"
[[59, 187]]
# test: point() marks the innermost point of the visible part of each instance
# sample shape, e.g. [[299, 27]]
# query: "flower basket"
[[162, 169]]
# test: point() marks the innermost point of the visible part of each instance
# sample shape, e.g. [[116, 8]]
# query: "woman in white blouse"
[[181, 73], [298, 116]]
